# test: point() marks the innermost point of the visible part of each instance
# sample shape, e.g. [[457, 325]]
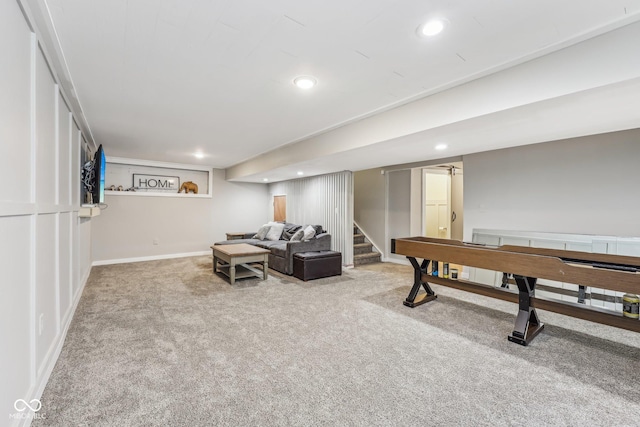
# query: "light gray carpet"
[[167, 343]]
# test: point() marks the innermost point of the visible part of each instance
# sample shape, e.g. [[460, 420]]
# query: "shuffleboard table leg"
[[582, 294], [505, 280], [414, 300], [527, 323]]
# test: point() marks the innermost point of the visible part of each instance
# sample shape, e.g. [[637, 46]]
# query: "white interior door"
[[437, 206]]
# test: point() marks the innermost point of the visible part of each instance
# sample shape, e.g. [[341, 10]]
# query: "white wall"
[[126, 230], [583, 185], [43, 259]]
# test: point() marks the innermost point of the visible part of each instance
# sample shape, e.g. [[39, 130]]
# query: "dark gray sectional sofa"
[[282, 250]]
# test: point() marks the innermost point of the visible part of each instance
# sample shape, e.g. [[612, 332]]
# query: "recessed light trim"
[[199, 155], [441, 147], [300, 173], [431, 28], [305, 82], [265, 179]]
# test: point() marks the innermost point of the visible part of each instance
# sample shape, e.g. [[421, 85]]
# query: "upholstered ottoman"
[[314, 265]]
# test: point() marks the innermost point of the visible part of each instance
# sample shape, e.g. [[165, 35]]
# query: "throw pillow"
[[309, 233], [262, 232], [297, 236], [275, 232], [289, 231]]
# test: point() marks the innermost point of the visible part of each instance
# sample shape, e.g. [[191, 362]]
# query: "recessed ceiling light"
[[265, 179], [300, 173], [199, 155], [441, 147], [431, 28], [305, 82]]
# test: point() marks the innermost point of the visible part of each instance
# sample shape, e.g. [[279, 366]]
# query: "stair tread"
[[368, 255], [364, 259]]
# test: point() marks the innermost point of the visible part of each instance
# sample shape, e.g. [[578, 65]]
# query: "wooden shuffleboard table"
[[527, 265]]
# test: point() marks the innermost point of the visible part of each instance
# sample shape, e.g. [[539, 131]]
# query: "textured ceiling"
[[162, 79]]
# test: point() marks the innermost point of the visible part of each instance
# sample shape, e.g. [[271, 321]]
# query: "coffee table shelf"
[[242, 271]]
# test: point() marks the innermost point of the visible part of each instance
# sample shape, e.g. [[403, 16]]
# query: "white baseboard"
[[149, 258], [395, 261]]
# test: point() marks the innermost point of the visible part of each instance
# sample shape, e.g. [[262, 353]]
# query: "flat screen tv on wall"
[[99, 166]]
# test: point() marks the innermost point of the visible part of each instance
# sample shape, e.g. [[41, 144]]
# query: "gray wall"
[[369, 204], [126, 230], [398, 209], [584, 185], [45, 254]]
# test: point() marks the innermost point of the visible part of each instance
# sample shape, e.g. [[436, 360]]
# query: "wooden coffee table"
[[237, 258]]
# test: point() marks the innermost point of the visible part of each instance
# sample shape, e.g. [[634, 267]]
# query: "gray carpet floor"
[[167, 343]]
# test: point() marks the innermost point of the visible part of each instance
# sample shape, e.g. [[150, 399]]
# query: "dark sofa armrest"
[[249, 235]]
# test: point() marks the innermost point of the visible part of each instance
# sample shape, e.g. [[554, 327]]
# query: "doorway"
[[280, 208], [443, 202], [437, 203]]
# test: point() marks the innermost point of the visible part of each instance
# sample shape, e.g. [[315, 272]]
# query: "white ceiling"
[[162, 79]]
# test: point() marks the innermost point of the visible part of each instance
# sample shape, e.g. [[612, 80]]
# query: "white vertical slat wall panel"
[[39, 223], [326, 200]]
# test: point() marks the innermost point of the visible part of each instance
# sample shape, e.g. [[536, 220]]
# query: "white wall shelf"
[[165, 178], [88, 211]]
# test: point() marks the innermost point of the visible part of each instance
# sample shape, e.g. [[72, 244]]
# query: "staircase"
[[363, 252]]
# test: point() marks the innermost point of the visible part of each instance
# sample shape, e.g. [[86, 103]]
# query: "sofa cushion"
[[279, 249], [297, 236], [262, 232], [275, 232], [267, 244], [290, 230], [309, 233]]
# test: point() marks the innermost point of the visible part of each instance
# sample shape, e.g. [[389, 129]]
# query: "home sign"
[[156, 182]]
